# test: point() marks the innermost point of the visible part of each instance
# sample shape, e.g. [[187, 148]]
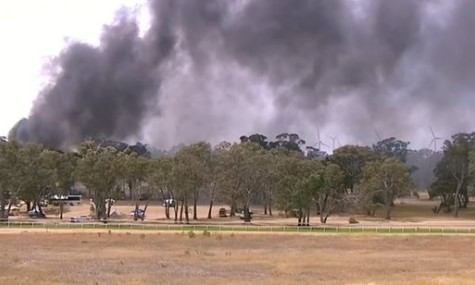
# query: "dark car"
[[140, 213]]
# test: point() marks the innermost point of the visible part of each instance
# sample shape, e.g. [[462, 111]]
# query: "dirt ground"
[[410, 212], [134, 258]]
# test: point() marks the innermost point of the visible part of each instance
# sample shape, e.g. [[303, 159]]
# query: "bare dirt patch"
[[407, 212]]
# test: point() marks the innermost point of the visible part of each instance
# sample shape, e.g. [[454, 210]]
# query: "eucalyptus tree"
[[326, 186], [196, 159], [38, 174], [10, 176], [99, 169], [216, 173], [135, 170], [392, 147], [351, 159], [243, 172], [452, 172], [385, 180], [294, 194], [63, 167], [162, 180]]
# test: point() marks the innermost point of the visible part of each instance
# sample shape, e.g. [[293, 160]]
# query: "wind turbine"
[[378, 135], [333, 141], [319, 141], [434, 139]]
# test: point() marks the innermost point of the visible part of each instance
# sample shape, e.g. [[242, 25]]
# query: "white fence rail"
[[241, 228]]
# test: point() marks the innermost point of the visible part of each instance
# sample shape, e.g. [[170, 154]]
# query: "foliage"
[[99, 169], [453, 172], [351, 159], [383, 181], [392, 147]]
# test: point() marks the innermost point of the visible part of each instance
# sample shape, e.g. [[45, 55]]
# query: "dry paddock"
[[178, 258]]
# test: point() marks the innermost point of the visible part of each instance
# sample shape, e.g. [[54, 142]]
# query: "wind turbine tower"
[[434, 139], [319, 141], [333, 141]]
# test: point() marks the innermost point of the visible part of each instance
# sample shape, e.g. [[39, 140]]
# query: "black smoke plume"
[[213, 69]]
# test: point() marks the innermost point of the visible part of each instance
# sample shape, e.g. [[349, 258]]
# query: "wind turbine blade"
[[377, 134], [432, 131]]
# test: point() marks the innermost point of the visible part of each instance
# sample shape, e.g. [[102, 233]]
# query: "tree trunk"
[[322, 208], [3, 203], [7, 212], [388, 213], [210, 208], [109, 207], [145, 209], [233, 211], [136, 211], [299, 216], [61, 210], [38, 204], [187, 216], [181, 211], [28, 206], [175, 209], [457, 191], [323, 219], [100, 204], [388, 206], [247, 215], [167, 210], [308, 217], [265, 208], [195, 215], [270, 209], [457, 200], [196, 195]]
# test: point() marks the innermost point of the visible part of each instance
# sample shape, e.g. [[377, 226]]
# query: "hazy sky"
[[216, 70], [48, 24]]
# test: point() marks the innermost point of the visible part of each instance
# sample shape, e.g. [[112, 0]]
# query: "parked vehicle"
[[14, 210], [140, 213], [36, 213], [71, 200], [242, 215], [170, 202]]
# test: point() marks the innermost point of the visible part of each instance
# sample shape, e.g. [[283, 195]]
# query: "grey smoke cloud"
[[215, 70]]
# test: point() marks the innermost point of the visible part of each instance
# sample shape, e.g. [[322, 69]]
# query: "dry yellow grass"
[[122, 258]]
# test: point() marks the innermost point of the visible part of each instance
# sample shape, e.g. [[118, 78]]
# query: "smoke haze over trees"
[[212, 70]]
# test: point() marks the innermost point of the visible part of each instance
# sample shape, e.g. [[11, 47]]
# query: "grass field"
[[136, 258]]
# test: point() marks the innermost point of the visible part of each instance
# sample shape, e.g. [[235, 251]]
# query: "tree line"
[[278, 174]]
